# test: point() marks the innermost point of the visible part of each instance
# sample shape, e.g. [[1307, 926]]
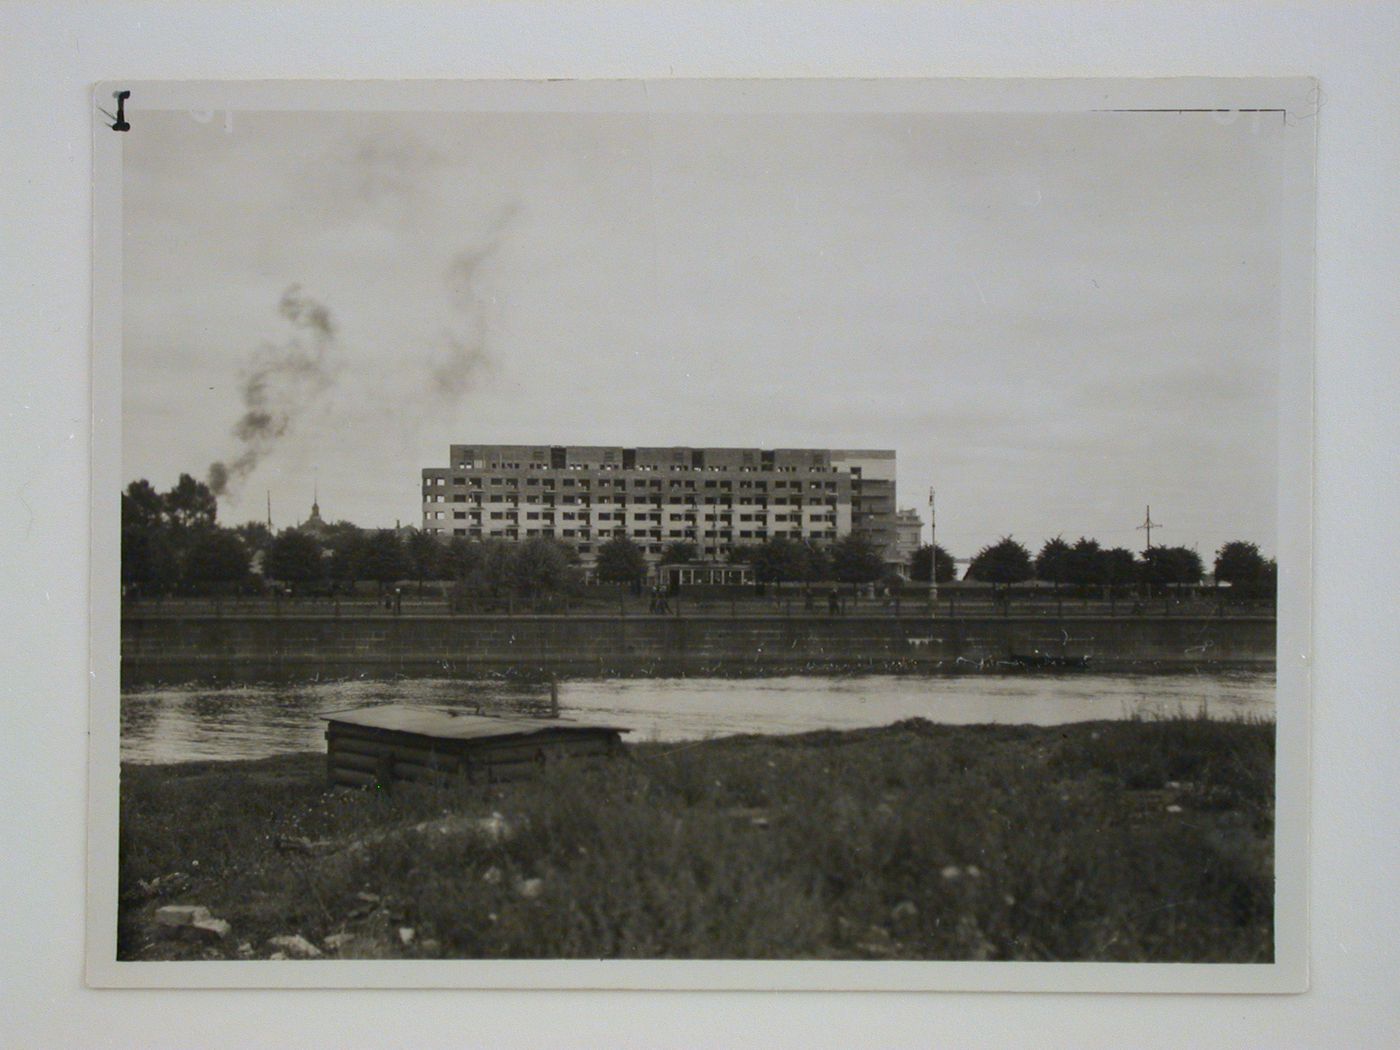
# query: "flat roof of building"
[[451, 724]]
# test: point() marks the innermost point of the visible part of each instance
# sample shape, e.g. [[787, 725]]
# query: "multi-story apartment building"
[[715, 498]]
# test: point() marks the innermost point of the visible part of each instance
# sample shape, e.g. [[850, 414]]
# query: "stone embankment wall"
[[165, 645]]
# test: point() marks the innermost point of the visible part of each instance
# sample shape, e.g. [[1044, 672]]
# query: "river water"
[[185, 723]]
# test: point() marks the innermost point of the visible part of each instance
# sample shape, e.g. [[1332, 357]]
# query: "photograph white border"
[[1296, 96]]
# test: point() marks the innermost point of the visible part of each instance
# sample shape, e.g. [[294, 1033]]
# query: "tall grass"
[[1145, 840]]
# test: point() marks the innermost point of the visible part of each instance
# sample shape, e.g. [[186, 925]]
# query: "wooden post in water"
[[553, 696]]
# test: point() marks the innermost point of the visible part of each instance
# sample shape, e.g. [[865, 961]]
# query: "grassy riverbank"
[[1106, 841]]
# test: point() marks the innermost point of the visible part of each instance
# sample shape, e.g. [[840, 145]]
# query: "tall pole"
[[933, 550], [1148, 526]]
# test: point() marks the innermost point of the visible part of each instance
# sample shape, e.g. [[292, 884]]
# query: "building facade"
[[909, 535], [714, 498]]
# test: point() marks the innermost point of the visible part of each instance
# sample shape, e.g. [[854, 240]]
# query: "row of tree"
[[173, 544], [1086, 566]]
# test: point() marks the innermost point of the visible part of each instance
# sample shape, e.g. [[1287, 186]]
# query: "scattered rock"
[[368, 898], [430, 946], [210, 929], [295, 946], [905, 910], [951, 873], [530, 888], [491, 876], [245, 950], [337, 941], [1173, 809], [406, 935], [181, 914], [495, 827], [276, 956]]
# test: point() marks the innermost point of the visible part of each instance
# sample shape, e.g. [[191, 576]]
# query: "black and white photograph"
[[859, 527]]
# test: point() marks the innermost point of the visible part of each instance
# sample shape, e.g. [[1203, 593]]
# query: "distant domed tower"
[[314, 525]]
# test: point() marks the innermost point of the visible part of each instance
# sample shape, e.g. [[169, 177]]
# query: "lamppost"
[[932, 552]]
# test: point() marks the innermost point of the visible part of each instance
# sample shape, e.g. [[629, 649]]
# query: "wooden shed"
[[378, 745]]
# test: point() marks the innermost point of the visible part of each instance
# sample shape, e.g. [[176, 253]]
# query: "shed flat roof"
[[447, 723]]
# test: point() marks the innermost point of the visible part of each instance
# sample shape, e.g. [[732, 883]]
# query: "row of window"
[[585, 483], [720, 535], [651, 467], [514, 515], [476, 500]]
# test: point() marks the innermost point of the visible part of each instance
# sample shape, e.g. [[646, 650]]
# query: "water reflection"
[[176, 724]]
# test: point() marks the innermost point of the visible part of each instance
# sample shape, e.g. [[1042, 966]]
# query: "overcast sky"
[[1055, 319]]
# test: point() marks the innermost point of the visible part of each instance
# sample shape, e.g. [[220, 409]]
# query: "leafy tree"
[[460, 557], [779, 561], [1238, 562], [1119, 567], [739, 554], [425, 556], [150, 555], [142, 506], [854, 559], [621, 561], [1005, 561], [1052, 563], [256, 536], [1084, 564], [818, 563], [348, 548], [190, 504], [1266, 586], [540, 567], [919, 563], [216, 559], [385, 560], [294, 559], [1171, 565], [682, 551], [1248, 572]]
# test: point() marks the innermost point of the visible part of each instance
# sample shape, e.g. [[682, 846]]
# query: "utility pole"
[[1149, 525], [932, 551], [269, 510]]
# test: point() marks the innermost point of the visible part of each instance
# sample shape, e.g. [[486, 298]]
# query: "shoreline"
[[155, 644]]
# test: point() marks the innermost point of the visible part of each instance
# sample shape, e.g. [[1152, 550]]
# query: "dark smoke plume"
[[463, 352], [281, 382]]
